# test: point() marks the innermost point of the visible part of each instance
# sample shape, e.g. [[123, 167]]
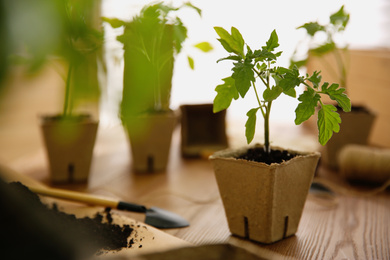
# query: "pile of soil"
[[32, 229], [257, 154]]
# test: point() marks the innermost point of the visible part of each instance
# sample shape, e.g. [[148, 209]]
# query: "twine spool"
[[365, 164]]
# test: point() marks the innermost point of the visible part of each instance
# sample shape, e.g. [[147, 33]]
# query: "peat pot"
[[263, 202], [69, 146], [202, 131], [150, 136], [355, 129]]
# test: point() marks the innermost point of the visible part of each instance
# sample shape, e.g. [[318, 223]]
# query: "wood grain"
[[349, 227]]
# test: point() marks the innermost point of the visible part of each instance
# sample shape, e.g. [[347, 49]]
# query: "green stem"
[[342, 69], [258, 99], [329, 68], [267, 147], [67, 106], [258, 74]]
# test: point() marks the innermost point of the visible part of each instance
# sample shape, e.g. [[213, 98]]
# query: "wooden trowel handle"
[[88, 199]]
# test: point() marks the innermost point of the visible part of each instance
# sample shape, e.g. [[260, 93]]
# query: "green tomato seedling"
[[253, 66]]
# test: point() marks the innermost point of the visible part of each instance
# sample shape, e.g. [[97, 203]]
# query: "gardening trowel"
[[155, 217]]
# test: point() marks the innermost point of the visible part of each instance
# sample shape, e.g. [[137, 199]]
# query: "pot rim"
[[230, 154]]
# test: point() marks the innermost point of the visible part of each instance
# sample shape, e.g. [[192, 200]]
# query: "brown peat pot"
[[263, 202]]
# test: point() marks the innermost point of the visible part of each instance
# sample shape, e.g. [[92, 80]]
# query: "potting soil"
[[32, 229], [258, 154]]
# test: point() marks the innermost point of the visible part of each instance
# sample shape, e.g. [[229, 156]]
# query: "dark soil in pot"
[[33, 230], [258, 154], [71, 118]]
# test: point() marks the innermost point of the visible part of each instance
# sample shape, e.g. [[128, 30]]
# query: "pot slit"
[[150, 163], [246, 226], [70, 172], [285, 226]]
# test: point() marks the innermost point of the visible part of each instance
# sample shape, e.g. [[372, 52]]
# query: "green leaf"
[[261, 66], [250, 125], [261, 55], [312, 28], [114, 22], [306, 108], [232, 57], [315, 79], [191, 62], [273, 41], [290, 92], [204, 46], [226, 92], [324, 48], [337, 94], [328, 122], [179, 34], [272, 94], [226, 46], [188, 4], [238, 39], [298, 63], [340, 18], [243, 76], [289, 78], [229, 42]]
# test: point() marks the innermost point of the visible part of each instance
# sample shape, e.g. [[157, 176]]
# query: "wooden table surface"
[[348, 226]]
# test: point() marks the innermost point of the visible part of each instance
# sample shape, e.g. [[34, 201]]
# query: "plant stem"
[[267, 148], [342, 69], [66, 110]]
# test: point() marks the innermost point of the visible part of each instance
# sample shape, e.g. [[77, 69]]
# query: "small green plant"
[[333, 29], [251, 66], [80, 44], [151, 41]]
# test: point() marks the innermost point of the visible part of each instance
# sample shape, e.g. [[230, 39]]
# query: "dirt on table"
[[33, 230]]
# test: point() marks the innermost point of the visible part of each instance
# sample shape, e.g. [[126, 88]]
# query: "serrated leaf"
[[261, 66], [226, 92], [225, 45], [272, 94], [289, 78], [273, 41], [250, 125], [179, 34], [232, 57], [204, 46], [337, 94], [239, 39], [312, 28], [291, 92], [315, 79], [261, 55], [229, 42], [191, 62], [306, 108], [243, 76], [328, 122]]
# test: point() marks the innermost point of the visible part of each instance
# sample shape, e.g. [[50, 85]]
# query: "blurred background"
[[25, 95], [368, 29]]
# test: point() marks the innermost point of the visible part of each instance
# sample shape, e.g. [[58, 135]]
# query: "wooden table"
[[347, 227]]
